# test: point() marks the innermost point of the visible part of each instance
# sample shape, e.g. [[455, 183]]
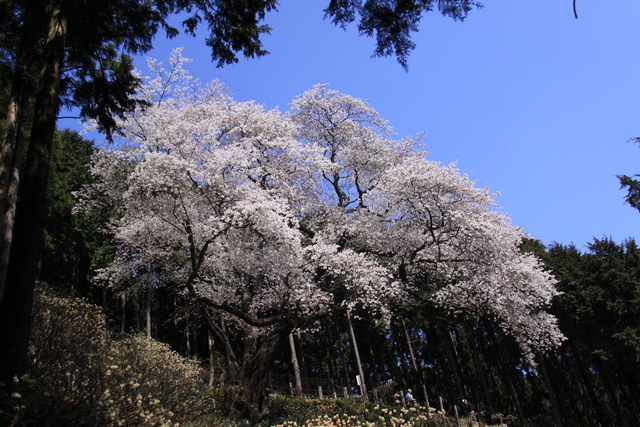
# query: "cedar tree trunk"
[[17, 301]]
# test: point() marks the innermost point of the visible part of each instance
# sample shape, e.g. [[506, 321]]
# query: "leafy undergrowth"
[[79, 374], [288, 412]]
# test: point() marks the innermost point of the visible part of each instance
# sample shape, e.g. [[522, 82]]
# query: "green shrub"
[[353, 413], [79, 375], [300, 410], [290, 412]]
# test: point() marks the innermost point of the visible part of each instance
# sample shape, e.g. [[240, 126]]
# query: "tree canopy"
[[392, 22], [279, 220], [74, 52]]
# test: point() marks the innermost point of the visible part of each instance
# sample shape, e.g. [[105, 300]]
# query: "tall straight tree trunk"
[[194, 343], [9, 198], [401, 355], [212, 365], [123, 313], [326, 340], [8, 135], [409, 346], [147, 310], [302, 361], [374, 365], [15, 112], [363, 383], [615, 395], [482, 373], [390, 356], [513, 394], [454, 360], [555, 408], [187, 337], [296, 366], [599, 407], [416, 372], [345, 358], [17, 302], [23, 85]]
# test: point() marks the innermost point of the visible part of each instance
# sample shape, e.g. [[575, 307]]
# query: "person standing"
[[467, 407], [409, 397]]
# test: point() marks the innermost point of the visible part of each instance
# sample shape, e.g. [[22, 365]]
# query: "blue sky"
[[529, 101]]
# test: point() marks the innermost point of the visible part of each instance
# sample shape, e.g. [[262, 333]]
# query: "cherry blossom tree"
[[271, 221], [427, 224]]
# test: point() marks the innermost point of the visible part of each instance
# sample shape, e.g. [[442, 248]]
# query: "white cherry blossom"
[[269, 216]]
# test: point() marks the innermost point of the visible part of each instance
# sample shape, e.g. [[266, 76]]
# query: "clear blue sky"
[[530, 101]]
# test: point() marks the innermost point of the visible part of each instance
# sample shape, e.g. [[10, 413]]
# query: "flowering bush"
[[302, 410], [352, 413], [79, 375]]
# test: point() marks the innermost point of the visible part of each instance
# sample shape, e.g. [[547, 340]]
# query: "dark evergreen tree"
[[66, 258], [598, 366], [632, 185]]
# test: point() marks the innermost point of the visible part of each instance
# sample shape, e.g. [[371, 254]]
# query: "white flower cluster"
[[290, 215]]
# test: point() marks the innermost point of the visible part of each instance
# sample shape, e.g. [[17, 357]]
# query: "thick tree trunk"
[[23, 85], [16, 108], [247, 369], [10, 186], [17, 302], [251, 397], [8, 137]]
